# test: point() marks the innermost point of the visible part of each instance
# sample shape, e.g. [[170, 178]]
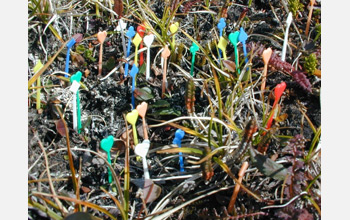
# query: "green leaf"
[[142, 68], [167, 111], [267, 166], [143, 94], [160, 104]]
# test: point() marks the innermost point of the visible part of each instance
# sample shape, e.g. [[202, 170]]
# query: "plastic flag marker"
[[165, 55], [106, 145], [130, 34], [136, 41], [148, 39], [193, 49], [131, 117], [266, 57], [36, 69], [233, 37], [222, 46], [179, 134], [141, 31], [285, 41], [75, 80], [101, 36], [142, 150], [134, 70]]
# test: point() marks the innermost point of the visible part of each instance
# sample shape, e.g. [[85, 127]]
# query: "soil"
[[107, 99]]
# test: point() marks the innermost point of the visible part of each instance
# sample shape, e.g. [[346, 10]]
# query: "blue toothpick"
[[130, 34], [179, 134], [134, 70], [69, 45], [242, 37]]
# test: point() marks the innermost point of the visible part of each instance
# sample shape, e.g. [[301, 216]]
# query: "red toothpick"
[[279, 89], [141, 31]]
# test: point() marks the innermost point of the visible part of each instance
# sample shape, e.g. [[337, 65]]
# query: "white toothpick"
[[288, 22], [142, 150], [148, 40]]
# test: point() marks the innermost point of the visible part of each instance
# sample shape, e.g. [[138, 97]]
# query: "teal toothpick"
[[106, 145], [194, 48], [233, 37]]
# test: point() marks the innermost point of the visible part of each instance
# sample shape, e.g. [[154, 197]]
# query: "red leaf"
[[60, 127], [118, 8]]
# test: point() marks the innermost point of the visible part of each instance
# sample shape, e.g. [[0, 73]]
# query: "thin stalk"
[[127, 171], [70, 158], [218, 93]]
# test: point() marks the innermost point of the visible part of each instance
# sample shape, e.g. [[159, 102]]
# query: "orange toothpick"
[[266, 57], [312, 2], [236, 189], [101, 36]]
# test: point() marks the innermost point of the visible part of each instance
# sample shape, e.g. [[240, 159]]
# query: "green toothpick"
[[194, 48], [106, 145], [233, 37]]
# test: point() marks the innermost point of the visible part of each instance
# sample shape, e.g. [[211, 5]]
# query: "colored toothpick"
[[141, 31], [121, 27], [101, 36], [173, 28], [134, 70], [148, 42], [165, 55], [136, 41], [285, 41], [242, 37], [279, 89], [312, 2], [221, 25], [233, 37], [36, 69], [237, 186], [131, 117], [222, 46], [142, 150], [142, 109], [75, 80], [193, 49], [266, 57], [106, 145], [130, 34], [69, 46], [179, 134]]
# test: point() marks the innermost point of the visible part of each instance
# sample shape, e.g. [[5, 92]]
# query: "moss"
[[294, 6], [310, 63]]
